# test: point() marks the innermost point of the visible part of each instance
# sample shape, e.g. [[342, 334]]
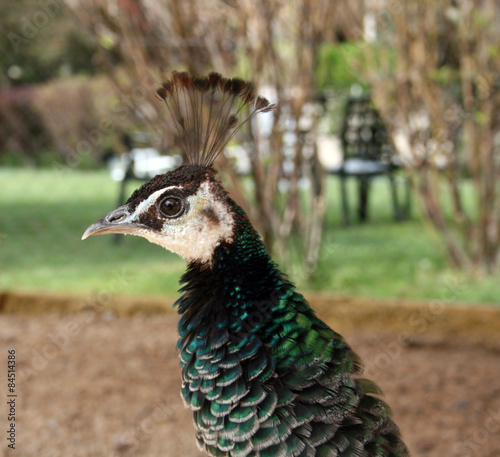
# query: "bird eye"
[[171, 206]]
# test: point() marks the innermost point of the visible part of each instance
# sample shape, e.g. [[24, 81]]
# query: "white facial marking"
[[151, 200]]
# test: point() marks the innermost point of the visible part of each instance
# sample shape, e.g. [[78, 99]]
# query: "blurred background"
[[374, 183], [376, 175]]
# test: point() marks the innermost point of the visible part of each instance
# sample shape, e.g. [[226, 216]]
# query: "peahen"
[[261, 373]]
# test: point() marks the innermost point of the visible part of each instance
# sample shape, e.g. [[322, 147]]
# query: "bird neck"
[[231, 290]]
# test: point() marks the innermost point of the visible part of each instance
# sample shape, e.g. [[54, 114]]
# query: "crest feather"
[[208, 111]]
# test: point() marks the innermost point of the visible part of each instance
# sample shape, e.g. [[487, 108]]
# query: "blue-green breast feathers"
[[262, 374]]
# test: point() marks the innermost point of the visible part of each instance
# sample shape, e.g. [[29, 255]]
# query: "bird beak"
[[117, 221]]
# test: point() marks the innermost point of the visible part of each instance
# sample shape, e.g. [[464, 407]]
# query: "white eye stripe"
[[151, 200]]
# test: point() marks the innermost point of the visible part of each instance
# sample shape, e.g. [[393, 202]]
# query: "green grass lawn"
[[44, 213]]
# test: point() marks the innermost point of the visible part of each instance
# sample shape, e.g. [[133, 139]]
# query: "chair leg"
[[398, 216], [407, 208], [345, 205], [364, 186]]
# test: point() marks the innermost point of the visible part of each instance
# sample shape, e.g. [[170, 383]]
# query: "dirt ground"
[[101, 385]]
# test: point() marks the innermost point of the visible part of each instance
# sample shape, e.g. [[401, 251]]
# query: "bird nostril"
[[117, 217]]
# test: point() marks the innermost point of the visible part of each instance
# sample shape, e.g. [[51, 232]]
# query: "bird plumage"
[[263, 375]]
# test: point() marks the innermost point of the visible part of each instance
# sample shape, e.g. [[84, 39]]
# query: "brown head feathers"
[[208, 111]]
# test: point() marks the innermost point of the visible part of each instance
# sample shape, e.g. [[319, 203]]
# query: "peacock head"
[[186, 210]]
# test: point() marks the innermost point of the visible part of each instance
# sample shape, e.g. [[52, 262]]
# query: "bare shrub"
[[436, 82], [272, 42]]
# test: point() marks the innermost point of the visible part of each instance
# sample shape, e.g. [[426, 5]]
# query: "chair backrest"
[[364, 134]]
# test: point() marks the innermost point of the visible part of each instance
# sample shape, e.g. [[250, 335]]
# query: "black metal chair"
[[368, 152]]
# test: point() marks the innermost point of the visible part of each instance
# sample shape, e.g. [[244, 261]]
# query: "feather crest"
[[208, 111]]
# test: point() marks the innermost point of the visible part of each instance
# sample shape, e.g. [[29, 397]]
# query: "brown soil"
[[93, 384]]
